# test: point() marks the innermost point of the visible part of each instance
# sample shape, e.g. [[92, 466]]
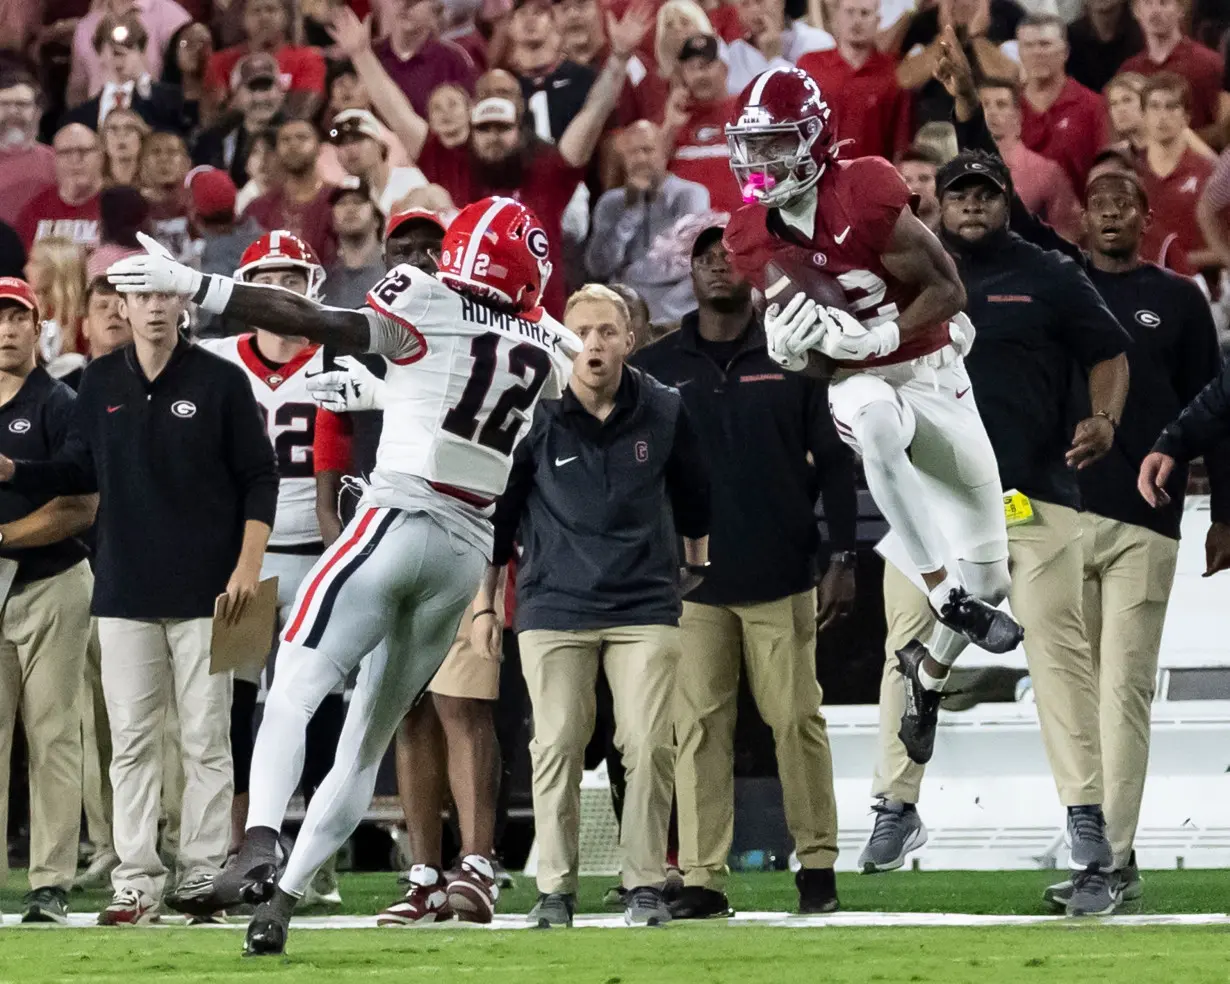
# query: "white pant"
[[146, 668], [391, 574], [948, 447]]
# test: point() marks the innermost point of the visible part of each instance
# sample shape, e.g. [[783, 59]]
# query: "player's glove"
[[158, 272], [849, 340], [786, 329], [348, 388], [961, 333]]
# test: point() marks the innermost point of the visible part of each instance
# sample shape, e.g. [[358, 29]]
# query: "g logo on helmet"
[[536, 241], [19, 426], [183, 408]]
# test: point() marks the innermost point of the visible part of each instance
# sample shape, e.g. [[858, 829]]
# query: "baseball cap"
[[699, 46], [15, 289], [399, 219], [256, 67], [348, 185], [495, 109], [707, 236], [961, 169], [212, 192], [354, 123]]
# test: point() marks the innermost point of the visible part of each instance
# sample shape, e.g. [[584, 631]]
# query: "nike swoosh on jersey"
[[564, 461], [113, 409], [842, 238]]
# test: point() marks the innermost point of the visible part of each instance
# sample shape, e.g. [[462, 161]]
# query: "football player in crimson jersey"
[[471, 353], [279, 368], [901, 397]]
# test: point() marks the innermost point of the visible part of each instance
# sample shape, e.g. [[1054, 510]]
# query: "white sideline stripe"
[[782, 920]]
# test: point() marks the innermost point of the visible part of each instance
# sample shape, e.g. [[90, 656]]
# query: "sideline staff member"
[[172, 439], [758, 608], [598, 583], [46, 613]]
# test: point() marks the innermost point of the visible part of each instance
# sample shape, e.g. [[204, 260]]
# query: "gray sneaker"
[[1093, 894], [1089, 847], [898, 831], [646, 907], [555, 909], [46, 905], [1126, 880]]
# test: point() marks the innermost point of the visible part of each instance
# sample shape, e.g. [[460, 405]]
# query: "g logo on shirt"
[[1148, 319], [183, 408], [19, 426], [642, 451]]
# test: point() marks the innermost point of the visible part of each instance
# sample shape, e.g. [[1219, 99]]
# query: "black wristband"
[[203, 289], [485, 611]]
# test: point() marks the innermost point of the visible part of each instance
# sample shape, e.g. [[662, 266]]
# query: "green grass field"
[[707, 953]]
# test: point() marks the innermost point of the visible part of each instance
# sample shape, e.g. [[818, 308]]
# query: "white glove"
[[849, 340], [154, 272], [348, 388], [786, 329], [961, 333]]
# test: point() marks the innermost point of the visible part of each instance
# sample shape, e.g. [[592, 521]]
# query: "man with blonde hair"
[[599, 582]]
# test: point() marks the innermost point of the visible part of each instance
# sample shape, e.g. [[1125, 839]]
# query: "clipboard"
[[248, 641]]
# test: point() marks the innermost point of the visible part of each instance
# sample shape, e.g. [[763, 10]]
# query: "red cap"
[[398, 219], [13, 289], [212, 192]]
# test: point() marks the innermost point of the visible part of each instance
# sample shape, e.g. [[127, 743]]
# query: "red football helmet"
[[278, 250], [497, 248], [781, 139]]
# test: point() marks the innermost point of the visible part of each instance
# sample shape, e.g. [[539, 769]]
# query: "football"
[[787, 276]]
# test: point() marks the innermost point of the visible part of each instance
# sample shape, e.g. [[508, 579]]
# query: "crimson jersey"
[[858, 204]]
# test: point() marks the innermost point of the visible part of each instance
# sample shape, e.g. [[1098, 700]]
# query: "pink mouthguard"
[[757, 185]]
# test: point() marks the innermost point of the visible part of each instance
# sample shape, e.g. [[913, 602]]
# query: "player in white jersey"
[[471, 355], [278, 367]]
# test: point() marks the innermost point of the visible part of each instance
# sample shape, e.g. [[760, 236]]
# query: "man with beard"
[[760, 603], [22, 157], [500, 156], [258, 98], [300, 204], [1129, 549]]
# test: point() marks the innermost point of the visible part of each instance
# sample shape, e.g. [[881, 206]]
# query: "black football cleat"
[[984, 626], [250, 877], [922, 706], [270, 925]]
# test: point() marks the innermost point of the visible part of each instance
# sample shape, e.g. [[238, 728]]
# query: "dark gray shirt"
[[347, 287]]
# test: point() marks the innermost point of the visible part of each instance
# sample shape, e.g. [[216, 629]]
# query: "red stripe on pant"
[[297, 623]]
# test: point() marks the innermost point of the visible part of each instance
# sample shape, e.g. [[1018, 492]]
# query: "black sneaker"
[[694, 902], [46, 905], [817, 891], [922, 706], [984, 626]]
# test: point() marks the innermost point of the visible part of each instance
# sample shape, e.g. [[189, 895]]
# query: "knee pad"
[[988, 581], [881, 431]]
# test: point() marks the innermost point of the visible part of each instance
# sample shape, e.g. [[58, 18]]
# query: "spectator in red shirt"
[[918, 166], [1167, 50], [300, 203], [68, 208], [501, 157], [23, 160], [413, 55], [448, 114], [1172, 173], [860, 83], [694, 124], [1060, 118], [1039, 182], [267, 24]]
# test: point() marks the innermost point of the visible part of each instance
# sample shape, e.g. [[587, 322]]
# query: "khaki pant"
[[1129, 571], [43, 632], [776, 641], [1046, 561], [561, 671], [148, 667], [95, 749]]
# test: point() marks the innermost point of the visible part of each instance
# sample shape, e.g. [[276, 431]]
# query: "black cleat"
[[922, 706], [984, 626], [817, 891], [266, 935], [250, 877], [694, 902]]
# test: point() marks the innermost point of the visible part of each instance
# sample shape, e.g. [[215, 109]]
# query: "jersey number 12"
[[497, 432]]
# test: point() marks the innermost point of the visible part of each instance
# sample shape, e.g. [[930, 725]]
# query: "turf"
[[704, 954], [975, 892]]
